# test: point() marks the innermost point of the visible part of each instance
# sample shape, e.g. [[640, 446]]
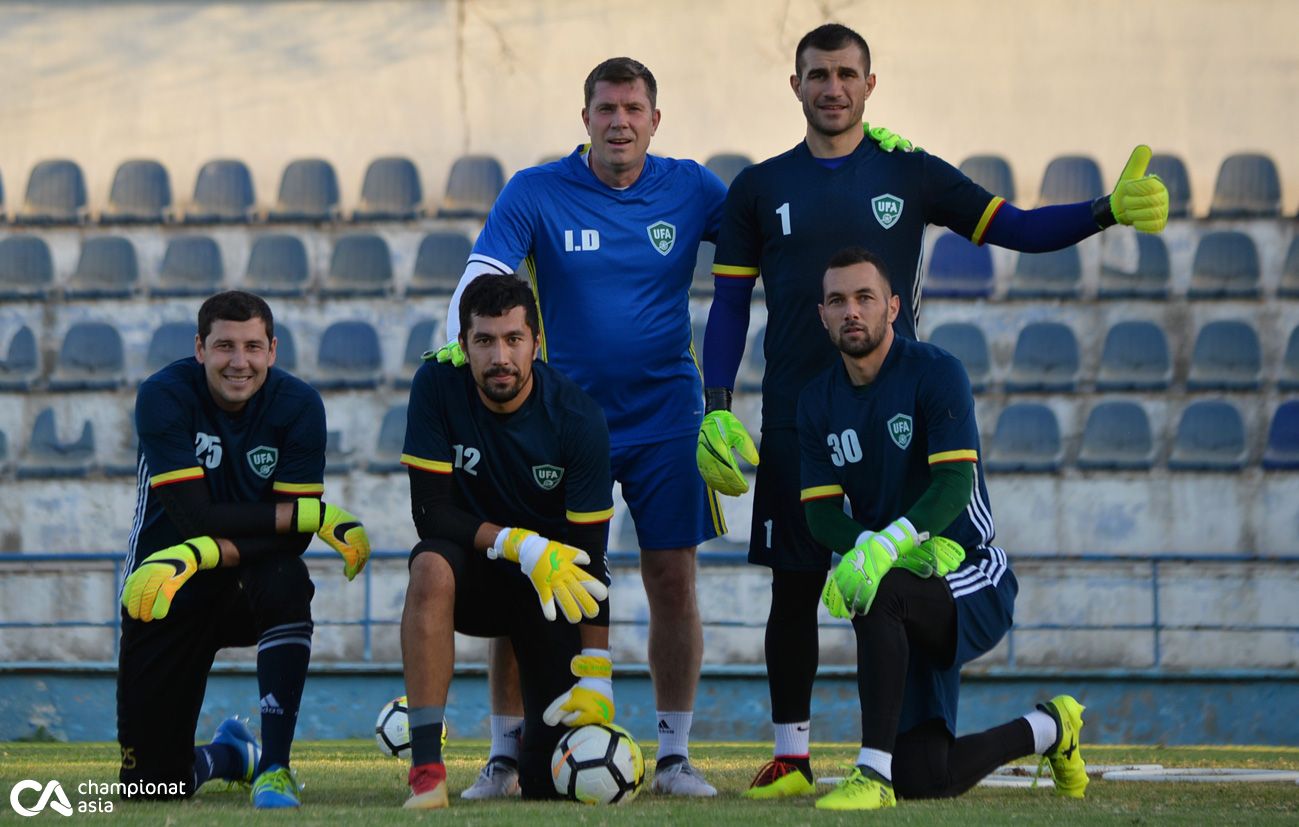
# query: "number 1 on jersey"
[[783, 212]]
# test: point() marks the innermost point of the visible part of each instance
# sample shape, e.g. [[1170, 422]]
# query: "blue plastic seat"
[[91, 358], [1248, 187], [423, 337], [1135, 357], [959, 269], [141, 194], [171, 341], [439, 263], [1053, 275], [1227, 356], [308, 192], [727, 165], [1172, 171], [966, 342], [286, 349], [191, 266], [1226, 266], [1117, 437], [1282, 451], [702, 284], [1289, 285], [361, 265], [1069, 179], [472, 187], [390, 192], [337, 460], [392, 438], [1150, 279], [1289, 378], [107, 269], [1046, 359], [350, 357], [26, 268], [277, 266], [753, 365], [47, 457], [223, 193], [992, 172], [20, 365], [1027, 439], [1210, 437], [56, 194]]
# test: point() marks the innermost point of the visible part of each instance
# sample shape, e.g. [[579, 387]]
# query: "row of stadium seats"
[[1248, 185]]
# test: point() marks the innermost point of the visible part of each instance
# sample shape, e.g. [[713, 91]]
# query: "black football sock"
[[282, 657]]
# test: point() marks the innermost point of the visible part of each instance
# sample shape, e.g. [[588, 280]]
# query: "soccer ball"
[[598, 764], [392, 729]]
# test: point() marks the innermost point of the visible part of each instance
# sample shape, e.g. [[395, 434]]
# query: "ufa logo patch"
[[887, 209], [262, 460], [662, 235], [900, 430], [547, 476]]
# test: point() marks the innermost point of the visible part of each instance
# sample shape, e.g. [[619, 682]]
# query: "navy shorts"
[[779, 537], [668, 500]]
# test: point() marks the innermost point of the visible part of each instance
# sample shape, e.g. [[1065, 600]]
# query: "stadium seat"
[[966, 342], [26, 268], [392, 438], [1282, 451], [171, 341], [1027, 439], [959, 269], [1117, 437], [1053, 275], [1289, 378], [47, 457], [423, 338], [1248, 187], [753, 365], [390, 192], [1046, 359], [277, 266], [20, 365], [1069, 179], [125, 462], [337, 460], [1172, 172], [4, 452], [992, 172], [439, 263], [286, 349], [1227, 356], [106, 269], [701, 282], [472, 187], [1135, 357], [727, 165], [191, 266], [349, 357], [360, 266], [1210, 437], [1225, 267], [223, 193], [91, 358], [141, 194], [1289, 285], [1149, 280], [56, 194], [308, 192]]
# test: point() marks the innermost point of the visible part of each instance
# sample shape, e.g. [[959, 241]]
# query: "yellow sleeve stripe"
[[732, 270], [433, 466], [820, 492], [586, 517], [988, 213], [195, 473], [300, 488], [954, 456]]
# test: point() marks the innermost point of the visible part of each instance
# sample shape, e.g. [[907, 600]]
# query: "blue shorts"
[[984, 590], [668, 501]]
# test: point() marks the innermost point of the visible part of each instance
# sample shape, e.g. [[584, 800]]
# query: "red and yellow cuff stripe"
[[181, 475], [430, 465], [299, 489], [989, 213], [589, 517], [734, 272], [820, 492], [966, 455]]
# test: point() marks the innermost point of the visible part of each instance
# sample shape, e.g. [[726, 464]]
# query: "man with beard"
[[510, 492], [910, 404]]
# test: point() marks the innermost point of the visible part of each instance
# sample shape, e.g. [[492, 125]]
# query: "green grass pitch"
[[350, 783]]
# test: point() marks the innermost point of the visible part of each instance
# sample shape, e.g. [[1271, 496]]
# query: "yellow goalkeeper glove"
[[148, 592], [1139, 200], [887, 140], [450, 352], [858, 575], [590, 700], [719, 434], [553, 568], [341, 530]]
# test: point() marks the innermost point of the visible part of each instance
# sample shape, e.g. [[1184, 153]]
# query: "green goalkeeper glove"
[[553, 568], [450, 352], [342, 531], [1138, 200], [858, 575], [937, 555], [719, 434], [148, 592], [590, 700], [888, 140]]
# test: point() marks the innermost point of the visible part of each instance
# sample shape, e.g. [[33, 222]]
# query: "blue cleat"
[[276, 789], [235, 733]]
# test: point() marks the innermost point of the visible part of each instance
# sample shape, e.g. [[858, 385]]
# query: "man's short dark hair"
[[830, 38], [849, 256], [494, 295], [234, 306], [621, 70]]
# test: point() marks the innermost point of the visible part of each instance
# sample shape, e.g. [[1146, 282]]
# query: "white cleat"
[[675, 775], [496, 780]]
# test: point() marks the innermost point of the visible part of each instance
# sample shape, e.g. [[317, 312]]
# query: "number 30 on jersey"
[[844, 448]]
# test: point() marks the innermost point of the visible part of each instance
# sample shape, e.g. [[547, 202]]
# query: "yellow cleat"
[[859, 791], [1068, 769], [779, 779]]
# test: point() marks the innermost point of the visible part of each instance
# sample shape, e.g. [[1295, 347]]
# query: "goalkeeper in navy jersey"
[[231, 464], [891, 427], [511, 496]]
